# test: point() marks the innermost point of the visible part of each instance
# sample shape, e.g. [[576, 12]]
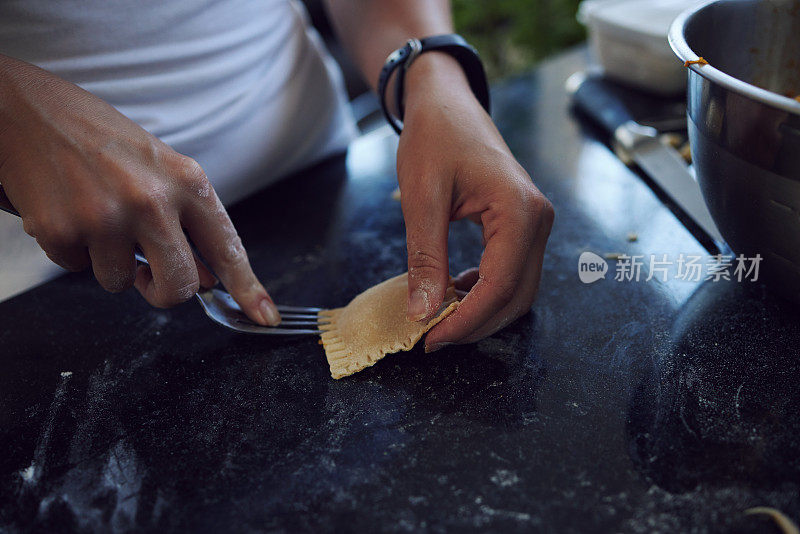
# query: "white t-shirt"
[[245, 87]]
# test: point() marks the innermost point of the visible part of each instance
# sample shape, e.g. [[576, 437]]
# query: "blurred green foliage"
[[512, 35]]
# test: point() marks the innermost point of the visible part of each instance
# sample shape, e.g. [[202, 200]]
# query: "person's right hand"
[[91, 185]]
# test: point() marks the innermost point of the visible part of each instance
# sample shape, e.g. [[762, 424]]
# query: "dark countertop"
[[616, 406]]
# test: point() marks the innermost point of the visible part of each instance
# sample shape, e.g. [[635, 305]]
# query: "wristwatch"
[[402, 58]]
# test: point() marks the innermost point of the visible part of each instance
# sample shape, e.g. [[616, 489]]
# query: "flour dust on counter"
[[373, 325]]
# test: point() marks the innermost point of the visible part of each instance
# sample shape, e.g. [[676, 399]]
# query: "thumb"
[[427, 214]]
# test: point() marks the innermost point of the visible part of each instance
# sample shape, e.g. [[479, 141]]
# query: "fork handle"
[[8, 207]]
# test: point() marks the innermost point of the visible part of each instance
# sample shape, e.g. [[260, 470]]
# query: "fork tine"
[[284, 324], [309, 316], [297, 323], [255, 329], [286, 327], [298, 309]]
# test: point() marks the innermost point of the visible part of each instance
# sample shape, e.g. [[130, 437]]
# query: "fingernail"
[[418, 305], [436, 346], [269, 313]]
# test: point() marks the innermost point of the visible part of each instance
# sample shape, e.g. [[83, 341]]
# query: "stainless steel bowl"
[[744, 126]]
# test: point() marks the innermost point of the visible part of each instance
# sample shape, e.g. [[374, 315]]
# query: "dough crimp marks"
[[373, 325]]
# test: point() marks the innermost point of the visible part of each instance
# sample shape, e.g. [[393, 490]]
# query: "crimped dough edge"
[[342, 363]]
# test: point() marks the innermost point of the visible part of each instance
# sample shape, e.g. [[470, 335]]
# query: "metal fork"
[[223, 310]]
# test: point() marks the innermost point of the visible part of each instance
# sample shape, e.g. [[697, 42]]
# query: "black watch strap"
[[452, 44]]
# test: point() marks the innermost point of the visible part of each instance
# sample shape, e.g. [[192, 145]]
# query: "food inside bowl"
[[698, 61]]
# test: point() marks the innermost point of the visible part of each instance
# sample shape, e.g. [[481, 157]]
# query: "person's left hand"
[[452, 163]]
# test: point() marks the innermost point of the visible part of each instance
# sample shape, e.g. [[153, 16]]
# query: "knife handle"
[[592, 97]]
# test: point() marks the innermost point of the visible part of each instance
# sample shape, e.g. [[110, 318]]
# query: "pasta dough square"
[[373, 325]]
